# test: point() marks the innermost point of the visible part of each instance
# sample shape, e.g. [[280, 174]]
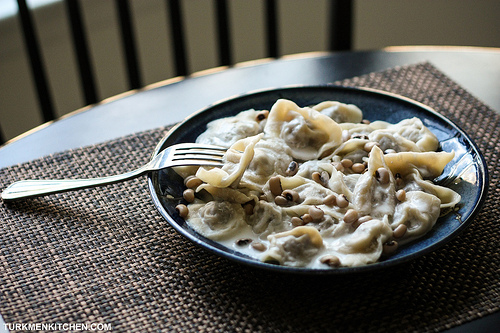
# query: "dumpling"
[[307, 132], [216, 220], [340, 112], [419, 212], [407, 135], [270, 158], [266, 218], [295, 247], [225, 132], [364, 245]]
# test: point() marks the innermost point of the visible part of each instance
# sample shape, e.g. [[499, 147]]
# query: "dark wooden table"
[[476, 69]]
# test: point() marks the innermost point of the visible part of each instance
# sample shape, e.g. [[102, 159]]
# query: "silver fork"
[[183, 154]]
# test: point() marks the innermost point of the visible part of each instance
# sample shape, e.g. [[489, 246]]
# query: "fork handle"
[[33, 188]]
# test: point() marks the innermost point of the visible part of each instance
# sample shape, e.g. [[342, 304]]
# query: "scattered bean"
[[401, 195], [182, 210], [297, 221], [365, 121], [316, 213], [330, 200], [330, 260], [350, 216], [243, 241], [262, 115], [306, 218], [342, 201], [383, 176], [293, 167], [346, 163], [400, 231], [275, 185], [258, 246], [358, 167], [390, 247], [280, 200], [361, 220], [188, 195], [291, 195], [369, 146], [321, 178], [192, 182]]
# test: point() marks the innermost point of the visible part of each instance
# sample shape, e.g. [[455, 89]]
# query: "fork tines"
[[199, 154]]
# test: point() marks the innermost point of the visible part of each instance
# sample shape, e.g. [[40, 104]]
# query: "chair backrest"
[[340, 18]]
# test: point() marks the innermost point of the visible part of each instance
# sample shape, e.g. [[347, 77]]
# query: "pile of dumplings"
[[317, 186]]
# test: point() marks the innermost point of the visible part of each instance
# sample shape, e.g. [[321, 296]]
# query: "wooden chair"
[[340, 36]]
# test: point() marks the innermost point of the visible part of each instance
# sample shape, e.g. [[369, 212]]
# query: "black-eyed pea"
[[316, 176], [188, 195], [243, 241], [401, 195], [297, 221], [325, 178], [321, 178], [358, 167], [400, 231], [390, 247], [330, 260], [369, 146], [182, 210], [351, 216], [275, 185], [258, 246], [307, 218], [316, 213], [280, 200], [346, 163], [291, 195], [292, 169], [362, 220], [383, 176], [330, 200], [192, 182], [262, 115], [342, 201]]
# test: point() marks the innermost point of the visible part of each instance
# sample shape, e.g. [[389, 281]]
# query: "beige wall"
[[378, 23]]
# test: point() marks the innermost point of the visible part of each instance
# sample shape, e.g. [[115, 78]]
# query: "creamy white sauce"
[[239, 208]]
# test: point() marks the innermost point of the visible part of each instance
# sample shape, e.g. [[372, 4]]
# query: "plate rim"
[[482, 170]]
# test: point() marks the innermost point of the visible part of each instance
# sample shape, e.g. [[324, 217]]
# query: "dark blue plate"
[[466, 174]]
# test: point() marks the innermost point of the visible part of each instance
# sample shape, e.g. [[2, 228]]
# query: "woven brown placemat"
[[106, 256]]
